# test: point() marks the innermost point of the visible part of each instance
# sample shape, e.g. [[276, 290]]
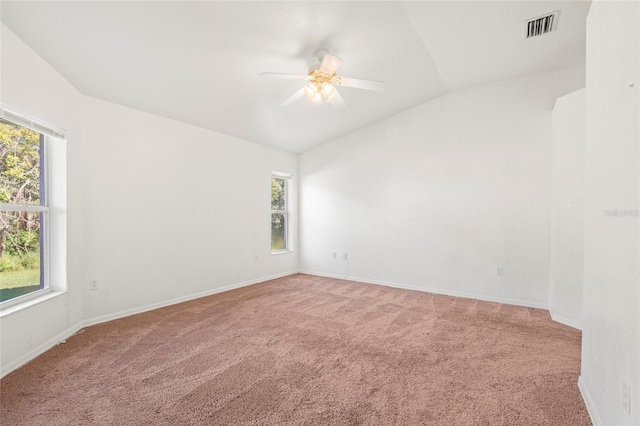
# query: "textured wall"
[[30, 85], [567, 208], [441, 195], [172, 209], [611, 316]]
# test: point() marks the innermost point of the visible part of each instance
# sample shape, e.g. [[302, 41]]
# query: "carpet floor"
[[308, 350]]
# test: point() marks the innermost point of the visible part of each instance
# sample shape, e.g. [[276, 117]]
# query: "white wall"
[[30, 85], [174, 210], [441, 195], [567, 210], [158, 211], [611, 314]]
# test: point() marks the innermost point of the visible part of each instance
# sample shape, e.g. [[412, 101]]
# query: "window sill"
[[275, 253], [12, 309]]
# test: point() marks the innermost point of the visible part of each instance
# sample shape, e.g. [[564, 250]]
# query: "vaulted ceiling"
[[199, 62]]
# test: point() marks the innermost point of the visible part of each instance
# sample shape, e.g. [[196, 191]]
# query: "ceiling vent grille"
[[541, 24]]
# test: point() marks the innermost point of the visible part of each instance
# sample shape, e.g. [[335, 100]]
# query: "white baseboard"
[[151, 307], [50, 343], [14, 364], [588, 401], [571, 322], [324, 274], [504, 300], [39, 350]]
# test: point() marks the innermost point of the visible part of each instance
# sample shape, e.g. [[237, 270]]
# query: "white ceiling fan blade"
[[337, 101], [330, 64], [291, 99], [358, 83], [282, 75]]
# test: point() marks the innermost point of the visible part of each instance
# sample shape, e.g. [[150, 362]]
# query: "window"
[[25, 211], [280, 212]]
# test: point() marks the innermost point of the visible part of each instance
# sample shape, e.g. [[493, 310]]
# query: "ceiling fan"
[[323, 81]]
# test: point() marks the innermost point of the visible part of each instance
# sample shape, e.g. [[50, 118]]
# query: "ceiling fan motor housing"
[[314, 67], [320, 54]]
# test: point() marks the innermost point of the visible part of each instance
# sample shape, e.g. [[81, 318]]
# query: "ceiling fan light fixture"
[[317, 99], [311, 91], [328, 90]]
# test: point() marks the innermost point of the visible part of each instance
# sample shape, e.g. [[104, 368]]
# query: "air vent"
[[541, 25]]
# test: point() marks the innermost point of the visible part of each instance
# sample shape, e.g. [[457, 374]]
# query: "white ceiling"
[[199, 62]]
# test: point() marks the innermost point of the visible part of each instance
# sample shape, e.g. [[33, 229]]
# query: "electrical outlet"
[[255, 258], [93, 284], [344, 256], [500, 271], [626, 397], [335, 255]]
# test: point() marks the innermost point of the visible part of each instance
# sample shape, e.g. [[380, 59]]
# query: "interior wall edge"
[[181, 299], [566, 320], [588, 401], [40, 349], [466, 295]]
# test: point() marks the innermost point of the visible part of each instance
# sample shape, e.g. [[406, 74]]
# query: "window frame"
[[43, 209], [286, 177], [52, 211]]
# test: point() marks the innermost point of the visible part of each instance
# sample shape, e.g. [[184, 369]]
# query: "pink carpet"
[[308, 350]]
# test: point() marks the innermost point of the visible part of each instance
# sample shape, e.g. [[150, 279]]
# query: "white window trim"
[[24, 120], [23, 207], [54, 221], [287, 182], [29, 300]]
